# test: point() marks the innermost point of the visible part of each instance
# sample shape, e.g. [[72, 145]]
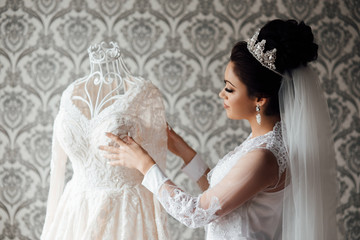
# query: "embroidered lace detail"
[[239, 223], [186, 208], [102, 195], [271, 141], [236, 225], [81, 136]]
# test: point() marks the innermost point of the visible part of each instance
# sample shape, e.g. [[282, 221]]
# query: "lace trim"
[[186, 208], [271, 141]]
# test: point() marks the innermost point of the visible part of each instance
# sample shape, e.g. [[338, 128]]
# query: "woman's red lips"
[[226, 106]]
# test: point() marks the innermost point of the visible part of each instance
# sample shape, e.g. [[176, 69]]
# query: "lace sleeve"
[[251, 174], [192, 211], [57, 178]]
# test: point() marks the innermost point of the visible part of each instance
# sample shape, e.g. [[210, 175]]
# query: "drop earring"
[[258, 116]]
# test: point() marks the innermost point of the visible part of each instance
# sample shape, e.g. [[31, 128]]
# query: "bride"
[[279, 183]]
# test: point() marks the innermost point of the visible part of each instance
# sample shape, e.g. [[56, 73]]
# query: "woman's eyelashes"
[[229, 90]]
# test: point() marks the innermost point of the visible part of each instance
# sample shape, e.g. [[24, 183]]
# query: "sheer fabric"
[[102, 201], [311, 195], [225, 212]]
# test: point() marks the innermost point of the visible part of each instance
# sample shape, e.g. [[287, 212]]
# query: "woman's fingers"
[[125, 152], [115, 163], [112, 156], [109, 149], [115, 138]]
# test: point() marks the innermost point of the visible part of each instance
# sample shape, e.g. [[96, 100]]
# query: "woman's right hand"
[[178, 146]]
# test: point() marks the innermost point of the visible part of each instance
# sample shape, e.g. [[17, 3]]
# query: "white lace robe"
[[256, 218], [102, 201]]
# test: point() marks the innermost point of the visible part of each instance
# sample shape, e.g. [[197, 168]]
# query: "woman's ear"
[[261, 101]]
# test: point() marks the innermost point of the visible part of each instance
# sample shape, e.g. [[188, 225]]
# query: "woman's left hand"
[[128, 154]]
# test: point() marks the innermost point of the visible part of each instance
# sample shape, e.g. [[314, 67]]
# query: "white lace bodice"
[[262, 214], [256, 218], [271, 141], [139, 112]]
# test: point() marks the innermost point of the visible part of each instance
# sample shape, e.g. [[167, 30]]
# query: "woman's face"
[[237, 103]]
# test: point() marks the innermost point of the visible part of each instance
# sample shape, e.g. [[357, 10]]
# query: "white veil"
[[310, 197]]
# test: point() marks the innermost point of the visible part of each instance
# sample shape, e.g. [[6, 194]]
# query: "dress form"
[[99, 201], [109, 80]]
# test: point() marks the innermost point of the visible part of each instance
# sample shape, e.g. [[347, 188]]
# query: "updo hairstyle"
[[295, 47]]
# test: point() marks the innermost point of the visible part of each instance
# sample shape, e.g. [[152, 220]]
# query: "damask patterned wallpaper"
[[182, 46]]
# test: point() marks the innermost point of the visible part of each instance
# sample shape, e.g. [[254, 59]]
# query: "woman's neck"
[[267, 124]]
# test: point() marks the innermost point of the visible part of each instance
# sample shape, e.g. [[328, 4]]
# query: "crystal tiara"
[[267, 59], [102, 53]]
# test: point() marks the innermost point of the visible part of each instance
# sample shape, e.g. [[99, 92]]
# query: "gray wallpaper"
[[182, 46]]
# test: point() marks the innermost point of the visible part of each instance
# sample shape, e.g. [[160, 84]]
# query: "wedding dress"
[[102, 201], [259, 218]]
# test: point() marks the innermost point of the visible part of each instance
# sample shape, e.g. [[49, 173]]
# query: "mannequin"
[[102, 202], [109, 79]]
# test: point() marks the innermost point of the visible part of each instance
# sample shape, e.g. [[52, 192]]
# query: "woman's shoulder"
[[271, 146], [272, 140], [263, 157]]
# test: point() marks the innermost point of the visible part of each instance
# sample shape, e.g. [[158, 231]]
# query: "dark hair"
[[295, 47]]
